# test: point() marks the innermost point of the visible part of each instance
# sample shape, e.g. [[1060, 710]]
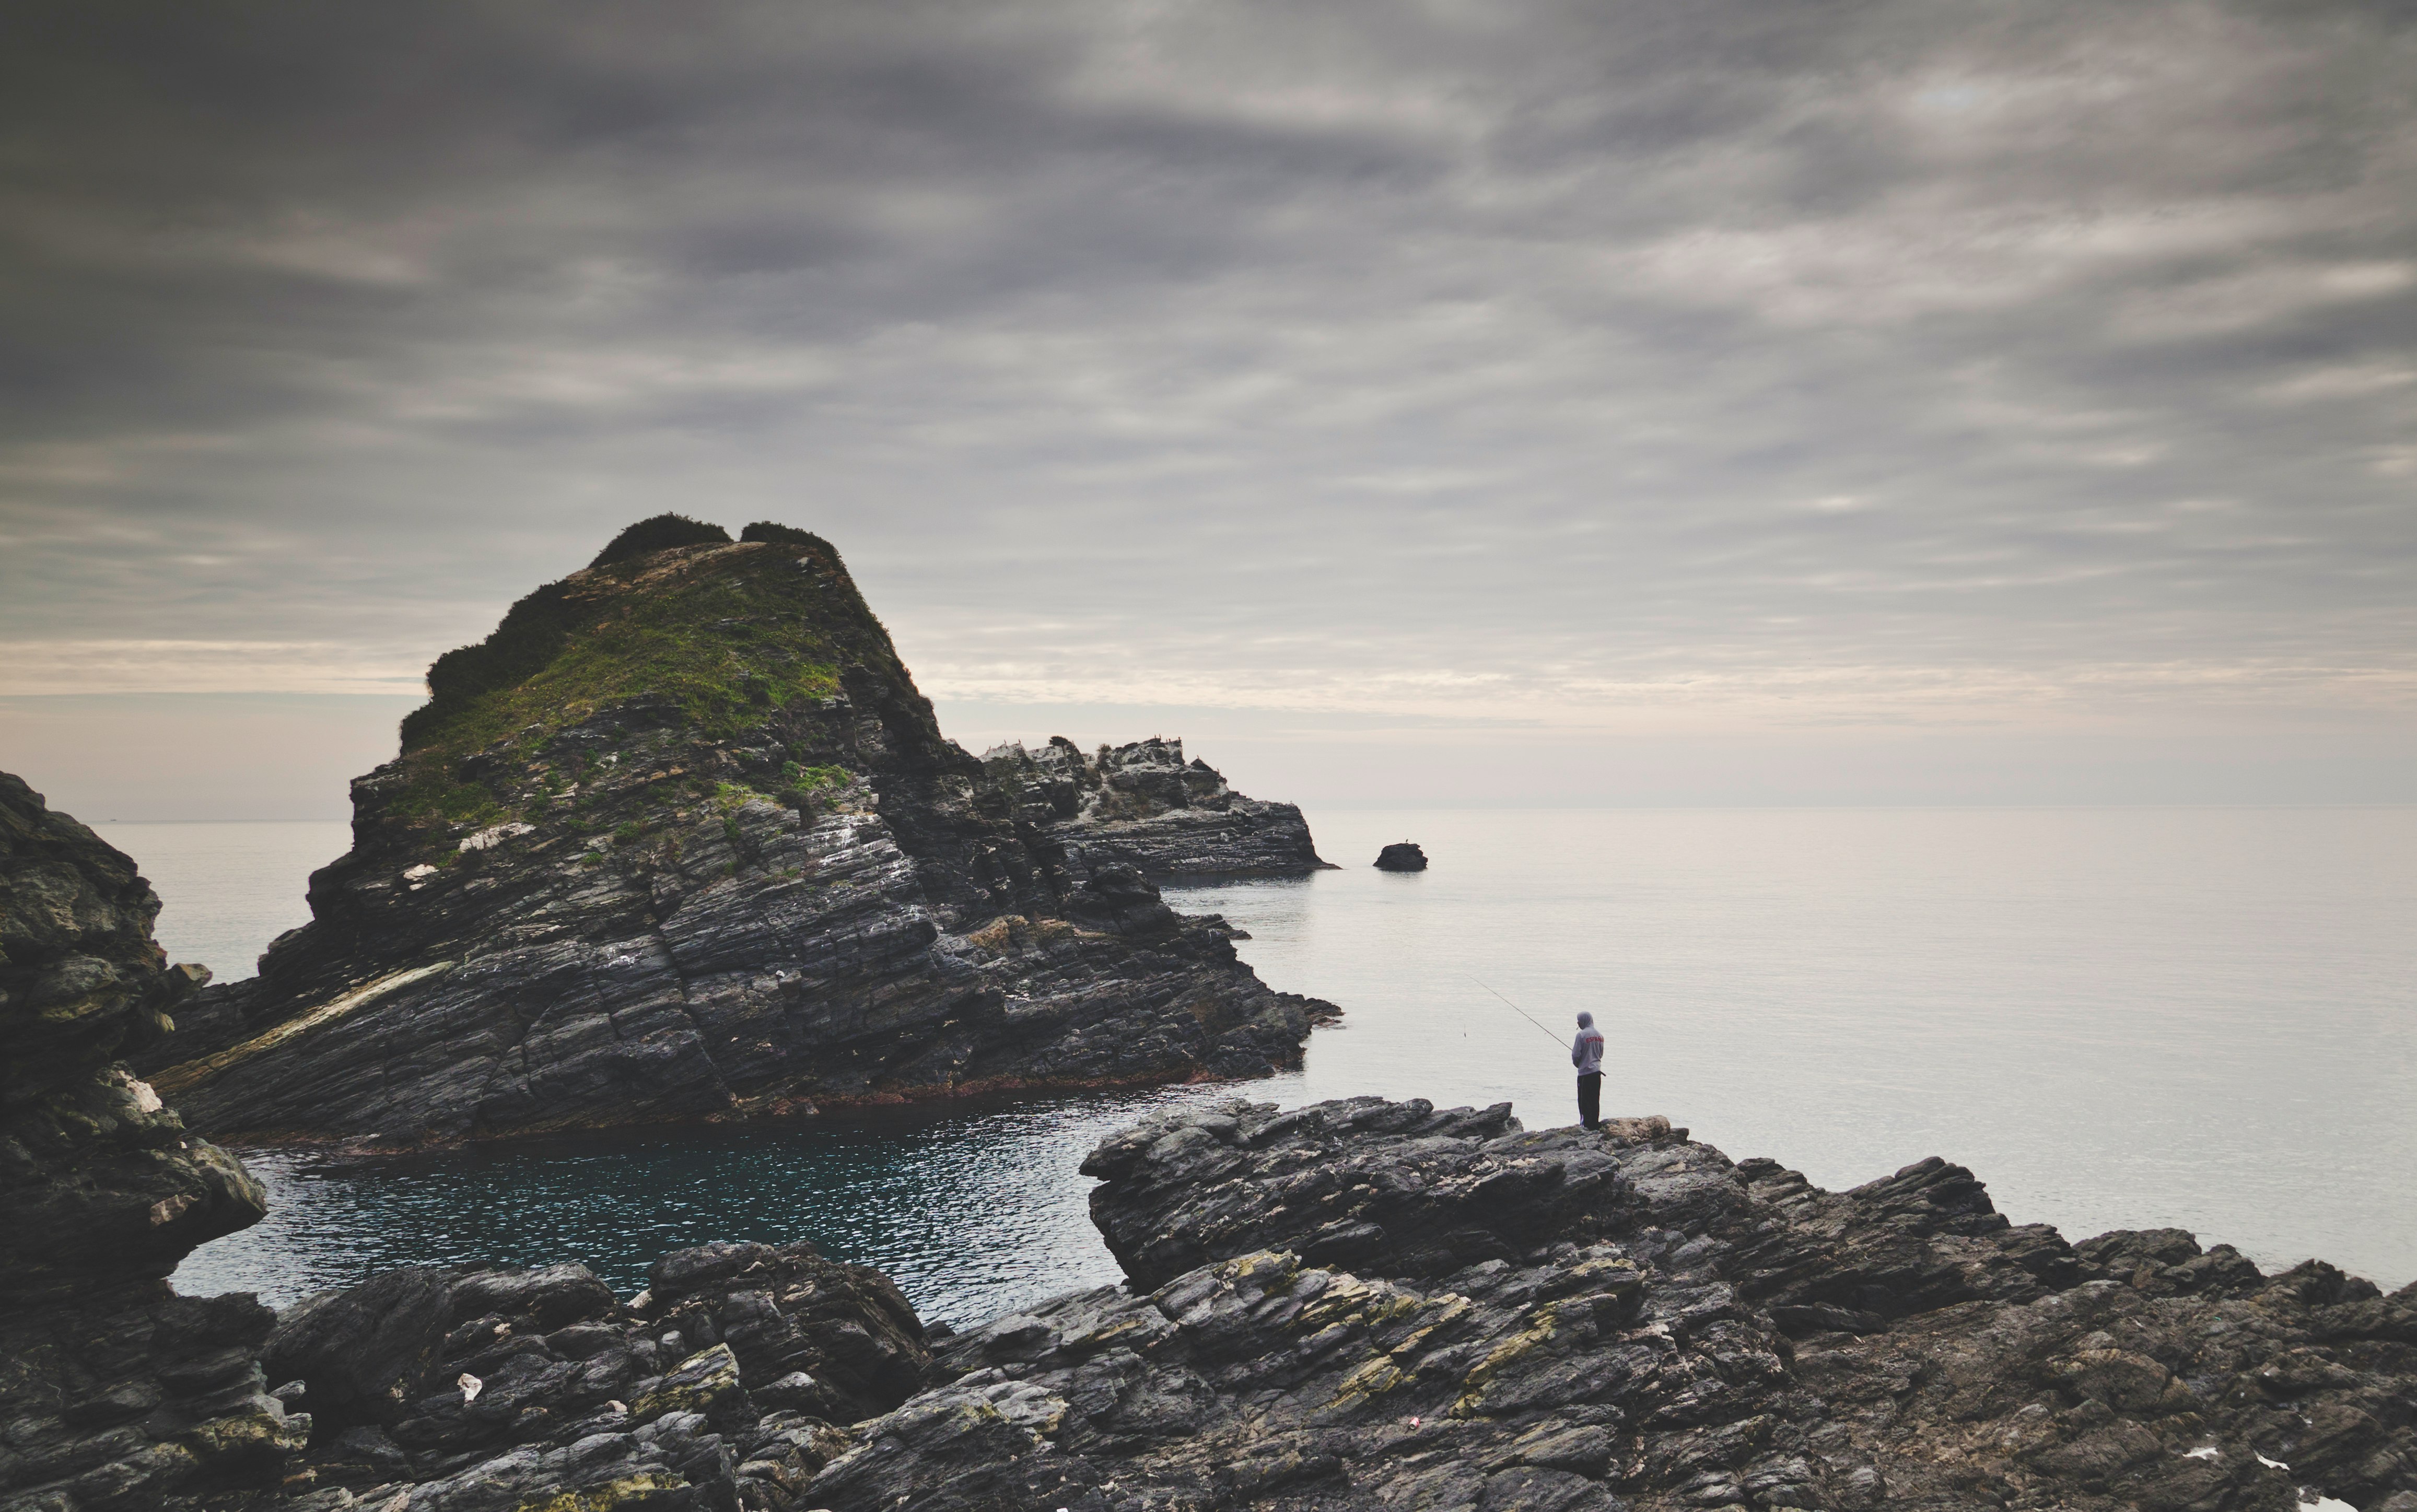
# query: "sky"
[[1640, 401]]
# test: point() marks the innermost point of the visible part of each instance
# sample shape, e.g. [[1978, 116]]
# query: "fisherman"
[[1586, 1053]]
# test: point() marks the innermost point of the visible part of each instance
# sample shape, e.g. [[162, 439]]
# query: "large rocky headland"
[[681, 840]]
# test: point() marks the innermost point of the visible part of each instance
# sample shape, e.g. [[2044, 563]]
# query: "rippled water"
[[2118, 1017], [974, 1212]]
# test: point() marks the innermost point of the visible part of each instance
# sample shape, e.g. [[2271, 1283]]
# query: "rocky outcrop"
[[681, 840], [1143, 805], [114, 1392], [1401, 857], [1372, 1305], [482, 1387]]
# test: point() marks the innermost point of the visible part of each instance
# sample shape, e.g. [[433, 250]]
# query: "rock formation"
[[681, 840], [482, 1389], [1368, 1305], [1143, 805], [114, 1392], [1404, 857]]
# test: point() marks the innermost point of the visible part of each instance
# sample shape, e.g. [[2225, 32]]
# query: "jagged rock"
[[1402, 857], [718, 1386], [1143, 805], [681, 840], [114, 1391], [1371, 1306], [787, 1312]]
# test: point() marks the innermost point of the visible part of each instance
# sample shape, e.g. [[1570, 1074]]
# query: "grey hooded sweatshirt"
[[1585, 1052]]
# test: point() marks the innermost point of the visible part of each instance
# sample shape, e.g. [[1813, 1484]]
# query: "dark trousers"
[[1590, 1098]]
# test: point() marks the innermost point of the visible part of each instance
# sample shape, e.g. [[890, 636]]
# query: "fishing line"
[[1520, 1011]]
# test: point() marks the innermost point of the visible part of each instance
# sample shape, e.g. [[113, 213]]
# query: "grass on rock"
[[725, 635]]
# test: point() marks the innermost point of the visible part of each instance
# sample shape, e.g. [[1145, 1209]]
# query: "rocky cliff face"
[[1143, 805], [1369, 1304], [681, 840], [114, 1391], [484, 1388]]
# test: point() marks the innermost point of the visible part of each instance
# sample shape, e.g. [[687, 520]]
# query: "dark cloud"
[[1882, 362]]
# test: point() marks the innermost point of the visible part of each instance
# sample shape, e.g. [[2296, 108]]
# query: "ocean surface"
[[2118, 1017], [226, 890]]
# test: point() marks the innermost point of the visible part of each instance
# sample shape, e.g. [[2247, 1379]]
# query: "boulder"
[[1402, 857]]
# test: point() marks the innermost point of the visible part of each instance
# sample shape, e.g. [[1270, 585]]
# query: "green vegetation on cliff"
[[671, 611], [660, 534]]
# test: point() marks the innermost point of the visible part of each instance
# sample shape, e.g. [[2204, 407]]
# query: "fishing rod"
[[1520, 1011]]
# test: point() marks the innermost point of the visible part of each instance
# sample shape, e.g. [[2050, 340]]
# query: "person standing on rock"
[[1586, 1053]]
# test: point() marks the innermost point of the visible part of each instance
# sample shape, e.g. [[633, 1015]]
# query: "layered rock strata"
[[114, 1392], [681, 840], [1368, 1305], [1143, 805], [470, 1389]]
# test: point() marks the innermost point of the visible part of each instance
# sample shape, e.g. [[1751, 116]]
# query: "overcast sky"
[[1646, 401]]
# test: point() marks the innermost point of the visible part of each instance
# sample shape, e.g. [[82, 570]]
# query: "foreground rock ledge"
[[1376, 1304], [1368, 1305]]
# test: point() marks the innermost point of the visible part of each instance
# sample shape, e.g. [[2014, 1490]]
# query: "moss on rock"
[[706, 1382], [726, 634]]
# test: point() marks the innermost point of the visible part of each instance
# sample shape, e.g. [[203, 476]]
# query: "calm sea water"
[[2118, 1017], [226, 890]]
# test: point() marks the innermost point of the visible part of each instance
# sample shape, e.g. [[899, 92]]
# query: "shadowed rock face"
[[681, 840], [1371, 1304], [1143, 805], [114, 1391], [1402, 857], [485, 1388]]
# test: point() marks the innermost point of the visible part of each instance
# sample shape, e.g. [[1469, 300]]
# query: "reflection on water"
[[974, 1212]]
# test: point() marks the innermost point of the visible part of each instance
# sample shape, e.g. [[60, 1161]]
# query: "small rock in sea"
[[1402, 857]]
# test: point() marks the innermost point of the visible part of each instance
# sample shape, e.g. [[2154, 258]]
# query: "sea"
[[2117, 1018]]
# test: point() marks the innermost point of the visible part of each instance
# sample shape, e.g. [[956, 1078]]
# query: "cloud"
[[1515, 361], [87, 667]]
